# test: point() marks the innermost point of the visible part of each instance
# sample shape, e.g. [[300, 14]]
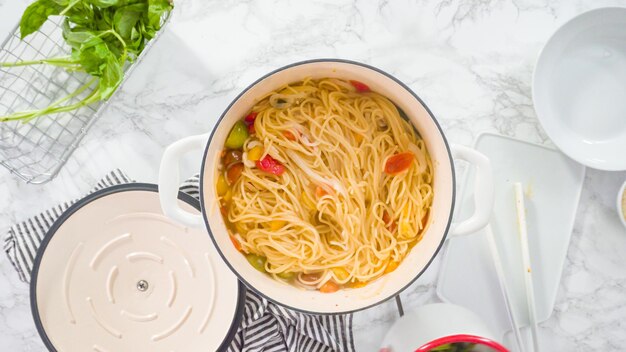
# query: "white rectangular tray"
[[553, 185]]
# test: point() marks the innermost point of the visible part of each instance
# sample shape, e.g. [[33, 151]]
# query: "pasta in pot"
[[325, 185]]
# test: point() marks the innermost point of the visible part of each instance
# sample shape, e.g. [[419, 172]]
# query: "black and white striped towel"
[[265, 327]]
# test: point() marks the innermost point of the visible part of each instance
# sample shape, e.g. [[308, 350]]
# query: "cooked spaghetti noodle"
[[325, 185]]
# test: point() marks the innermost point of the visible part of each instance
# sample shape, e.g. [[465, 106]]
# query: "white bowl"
[[620, 205], [579, 88]]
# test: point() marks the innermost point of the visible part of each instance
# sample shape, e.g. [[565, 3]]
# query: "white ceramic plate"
[[552, 184], [579, 88]]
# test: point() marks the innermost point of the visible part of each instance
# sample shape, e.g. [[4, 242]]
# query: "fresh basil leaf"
[[126, 18], [81, 14], [102, 19], [137, 40], [115, 46], [111, 78], [95, 40], [104, 44], [149, 32], [93, 58], [135, 35], [75, 55], [130, 2], [78, 37], [36, 14], [156, 10], [104, 3], [65, 27], [135, 44], [93, 29]]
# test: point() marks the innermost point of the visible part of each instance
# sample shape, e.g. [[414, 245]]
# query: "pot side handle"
[[169, 180], [483, 191]]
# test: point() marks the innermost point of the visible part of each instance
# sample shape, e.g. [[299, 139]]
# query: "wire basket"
[[37, 150]]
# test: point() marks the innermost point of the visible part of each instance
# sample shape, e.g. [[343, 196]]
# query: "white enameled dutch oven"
[[421, 255], [435, 326], [115, 274]]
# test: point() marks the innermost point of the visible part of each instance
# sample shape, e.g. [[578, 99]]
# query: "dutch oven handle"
[[169, 179], [483, 191]]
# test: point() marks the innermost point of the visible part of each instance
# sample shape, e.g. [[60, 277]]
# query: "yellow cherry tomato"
[[255, 153], [222, 185], [277, 224]]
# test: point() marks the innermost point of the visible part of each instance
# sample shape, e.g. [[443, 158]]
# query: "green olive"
[[257, 261], [237, 136], [286, 276]]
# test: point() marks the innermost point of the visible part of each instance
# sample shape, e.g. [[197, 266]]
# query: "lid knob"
[[142, 285]]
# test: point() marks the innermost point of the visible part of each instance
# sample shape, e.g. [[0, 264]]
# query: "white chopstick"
[[528, 278], [497, 262]]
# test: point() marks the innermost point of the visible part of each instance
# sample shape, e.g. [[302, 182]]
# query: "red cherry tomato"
[[360, 86], [249, 119], [235, 243], [232, 157], [399, 163], [329, 287], [289, 135], [391, 226], [233, 173], [270, 165]]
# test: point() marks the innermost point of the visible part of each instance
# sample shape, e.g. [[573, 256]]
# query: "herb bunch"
[[103, 36]]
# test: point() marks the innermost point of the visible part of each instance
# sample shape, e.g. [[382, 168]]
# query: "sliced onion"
[[322, 181], [419, 156], [251, 143]]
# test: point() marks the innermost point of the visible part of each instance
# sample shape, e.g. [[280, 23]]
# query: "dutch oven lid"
[[115, 274]]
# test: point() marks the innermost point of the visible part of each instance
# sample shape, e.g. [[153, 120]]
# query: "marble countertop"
[[470, 61]]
